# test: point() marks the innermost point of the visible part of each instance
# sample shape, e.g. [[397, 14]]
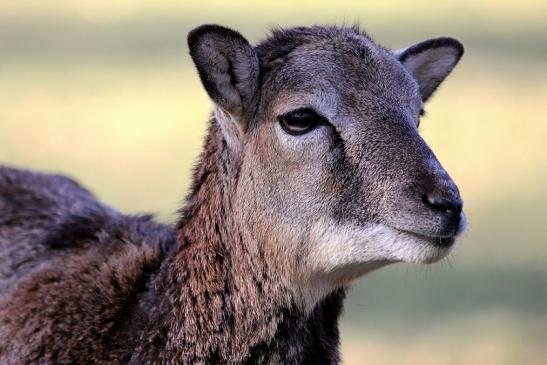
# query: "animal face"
[[323, 123]]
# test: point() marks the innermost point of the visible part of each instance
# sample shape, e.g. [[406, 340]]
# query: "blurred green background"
[[104, 91]]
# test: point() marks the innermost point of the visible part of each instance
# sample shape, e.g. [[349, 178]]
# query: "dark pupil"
[[299, 121]]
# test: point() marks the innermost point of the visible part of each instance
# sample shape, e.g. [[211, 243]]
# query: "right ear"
[[228, 68], [430, 62]]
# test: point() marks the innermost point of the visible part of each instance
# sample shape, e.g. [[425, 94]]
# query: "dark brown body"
[[81, 283]]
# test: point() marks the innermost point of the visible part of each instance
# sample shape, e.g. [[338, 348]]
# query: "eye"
[[300, 121]]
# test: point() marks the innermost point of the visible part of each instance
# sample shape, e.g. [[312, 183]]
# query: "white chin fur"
[[337, 248], [339, 254]]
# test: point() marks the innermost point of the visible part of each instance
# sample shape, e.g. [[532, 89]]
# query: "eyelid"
[[303, 109]]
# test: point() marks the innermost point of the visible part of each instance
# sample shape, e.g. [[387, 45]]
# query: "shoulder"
[[26, 191], [46, 216]]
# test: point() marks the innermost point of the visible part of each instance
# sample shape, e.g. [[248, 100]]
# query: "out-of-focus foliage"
[[104, 91]]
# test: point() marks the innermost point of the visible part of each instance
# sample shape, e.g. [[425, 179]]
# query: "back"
[[70, 265], [45, 217], [32, 207]]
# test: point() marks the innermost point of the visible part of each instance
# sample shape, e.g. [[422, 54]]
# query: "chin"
[[351, 251], [416, 248]]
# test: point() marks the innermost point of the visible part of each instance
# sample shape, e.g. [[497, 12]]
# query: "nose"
[[445, 201]]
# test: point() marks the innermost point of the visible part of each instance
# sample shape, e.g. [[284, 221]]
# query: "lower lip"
[[436, 241], [442, 241]]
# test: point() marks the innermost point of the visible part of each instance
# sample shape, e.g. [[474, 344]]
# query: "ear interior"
[[227, 65], [430, 62]]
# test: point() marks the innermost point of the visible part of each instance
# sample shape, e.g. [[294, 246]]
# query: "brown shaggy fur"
[[106, 288]]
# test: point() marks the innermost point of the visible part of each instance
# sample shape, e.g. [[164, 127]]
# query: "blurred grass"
[[104, 92]]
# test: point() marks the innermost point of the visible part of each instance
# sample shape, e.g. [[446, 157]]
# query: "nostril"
[[443, 204]]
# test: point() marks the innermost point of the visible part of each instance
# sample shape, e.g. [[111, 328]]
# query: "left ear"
[[227, 65], [430, 62]]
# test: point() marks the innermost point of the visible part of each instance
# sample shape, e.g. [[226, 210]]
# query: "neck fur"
[[220, 295]]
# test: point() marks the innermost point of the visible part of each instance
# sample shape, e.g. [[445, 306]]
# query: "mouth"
[[440, 241], [419, 248], [434, 244]]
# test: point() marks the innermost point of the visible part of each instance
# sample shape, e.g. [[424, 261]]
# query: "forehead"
[[340, 64]]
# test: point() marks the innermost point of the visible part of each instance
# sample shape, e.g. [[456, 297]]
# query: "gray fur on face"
[[366, 168]]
